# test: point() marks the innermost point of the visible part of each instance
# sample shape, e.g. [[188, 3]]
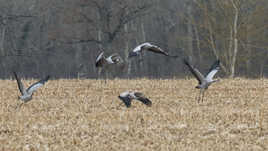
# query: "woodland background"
[[63, 37]]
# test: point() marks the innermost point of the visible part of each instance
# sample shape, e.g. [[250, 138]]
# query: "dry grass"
[[87, 115]]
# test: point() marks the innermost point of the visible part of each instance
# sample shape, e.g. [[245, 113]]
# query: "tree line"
[[63, 38]]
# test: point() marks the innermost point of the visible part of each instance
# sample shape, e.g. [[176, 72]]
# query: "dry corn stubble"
[[87, 115]]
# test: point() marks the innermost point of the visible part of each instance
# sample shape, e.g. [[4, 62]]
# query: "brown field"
[[87, 115]]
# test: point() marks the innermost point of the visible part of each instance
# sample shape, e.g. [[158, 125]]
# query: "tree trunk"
[[2, 46], [128, 61], [261, 69], [230, 48], [190, 34], [144, 63], [233, 61], [3, 40], [197, 42], [211, 39], [99, 32]]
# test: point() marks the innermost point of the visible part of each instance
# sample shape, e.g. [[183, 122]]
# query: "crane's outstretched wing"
[[20, 84], [100, 61], [143, 99], [194, 71], [155, 49], [126, 100], [37, 85], [215, 67]]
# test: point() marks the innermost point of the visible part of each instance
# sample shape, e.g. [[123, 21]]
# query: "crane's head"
[[132, 54]]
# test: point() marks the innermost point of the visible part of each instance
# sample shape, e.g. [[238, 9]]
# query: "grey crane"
[[204, 81], [26, 94], [148, 47], [101, 60], [128, 96], [104, 63]]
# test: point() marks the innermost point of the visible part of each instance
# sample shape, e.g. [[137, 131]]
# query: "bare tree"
[[221, 26], [41, 36]]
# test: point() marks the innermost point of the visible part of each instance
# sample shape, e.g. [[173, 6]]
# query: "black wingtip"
[[148, 103], [145, 101]]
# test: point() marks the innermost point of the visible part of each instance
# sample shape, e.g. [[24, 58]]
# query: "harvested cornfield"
[[87, 115]]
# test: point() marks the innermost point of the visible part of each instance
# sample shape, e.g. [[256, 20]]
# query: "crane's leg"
[[203, 94], [19, 106], [196, 97], [99, 72], [105, 73], [102, 74], [199, 97], [106, 76]]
